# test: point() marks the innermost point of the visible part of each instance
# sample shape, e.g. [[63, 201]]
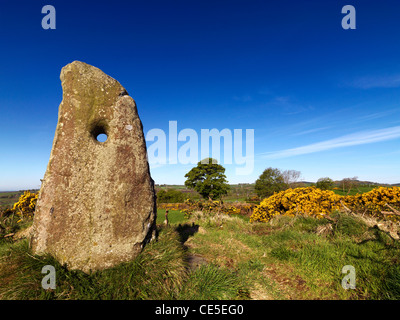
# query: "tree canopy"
[[208, 179], [325, 183], [270, 181]]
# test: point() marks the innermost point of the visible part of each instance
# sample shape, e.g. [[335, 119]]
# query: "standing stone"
[[96, 206]]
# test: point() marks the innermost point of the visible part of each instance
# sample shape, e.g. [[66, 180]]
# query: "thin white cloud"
[[378, 115], [287, 106], [354, 139], [301, 133], [392, 81]]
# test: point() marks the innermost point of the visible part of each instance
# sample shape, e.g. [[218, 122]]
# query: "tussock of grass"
[[210, 282]]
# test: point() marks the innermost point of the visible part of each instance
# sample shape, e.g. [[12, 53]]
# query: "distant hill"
[[362, 182]]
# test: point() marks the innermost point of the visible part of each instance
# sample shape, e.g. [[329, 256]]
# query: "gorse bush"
[[25, 207], [374, 201], [316, 202], [309, 200], [11, 220]]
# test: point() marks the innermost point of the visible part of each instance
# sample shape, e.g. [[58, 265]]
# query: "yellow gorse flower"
[[26, 204], [316, 202]]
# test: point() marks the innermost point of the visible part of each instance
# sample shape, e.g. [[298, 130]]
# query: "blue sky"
[[321, 99]]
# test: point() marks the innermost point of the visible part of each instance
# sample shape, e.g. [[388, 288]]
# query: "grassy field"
[[164, 270], [174, 216], [7, 199], [238, 192], [224, 257], [302, 257], [241, 192], [212, 256], [353, 191]]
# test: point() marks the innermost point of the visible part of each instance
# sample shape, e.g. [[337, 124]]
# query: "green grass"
[[174, 216], [353, 191], [7, 199], [211, 282], [237, 192], [289, 259], [286, 258], [160, 272]]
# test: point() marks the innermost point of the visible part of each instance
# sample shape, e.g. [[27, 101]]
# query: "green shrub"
[[170, 196]]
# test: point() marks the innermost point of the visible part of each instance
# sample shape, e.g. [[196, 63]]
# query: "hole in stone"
[[102, 137], [99, 131]]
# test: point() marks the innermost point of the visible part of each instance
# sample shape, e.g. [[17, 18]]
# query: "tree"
[[270, 181], [325, 183], [348, 184], [208, 179], [290, 177]]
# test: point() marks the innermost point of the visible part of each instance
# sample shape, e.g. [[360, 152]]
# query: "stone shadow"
[[192, 260], [186, 230]]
